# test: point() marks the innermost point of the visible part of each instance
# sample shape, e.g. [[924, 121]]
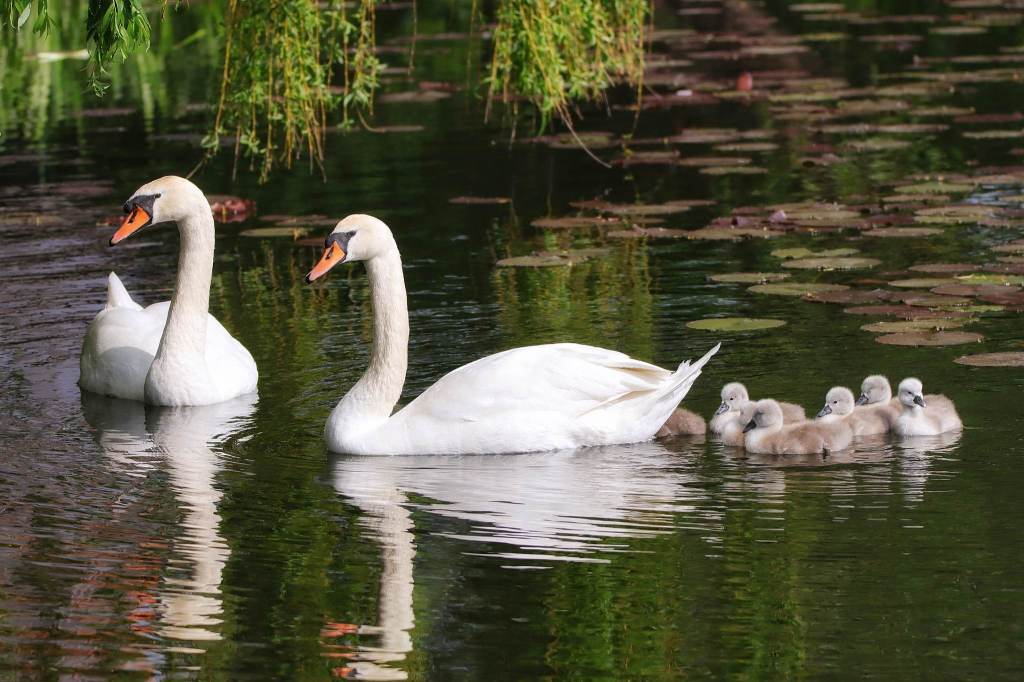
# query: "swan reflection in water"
[[182, 440], [539, 508]]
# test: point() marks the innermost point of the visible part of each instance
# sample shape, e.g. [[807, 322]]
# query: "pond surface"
[[227, 543]]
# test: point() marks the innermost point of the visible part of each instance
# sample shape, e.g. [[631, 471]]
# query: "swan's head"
[[767, 414], [357, 237], [874, 389], [838, 401], [166, 199], [732, 395], [911, 392]]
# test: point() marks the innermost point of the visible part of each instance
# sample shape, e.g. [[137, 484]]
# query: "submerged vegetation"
[[290, 66]]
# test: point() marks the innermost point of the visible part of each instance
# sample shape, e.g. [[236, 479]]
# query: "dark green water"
[[226, 543]]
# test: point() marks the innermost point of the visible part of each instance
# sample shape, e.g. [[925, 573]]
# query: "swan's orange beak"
[[132, 223], [333, 255]]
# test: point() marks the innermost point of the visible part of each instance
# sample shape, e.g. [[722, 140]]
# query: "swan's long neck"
[[374, 396], [185, 332]]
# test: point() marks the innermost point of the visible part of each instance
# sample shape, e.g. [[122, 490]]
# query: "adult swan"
[[174, 352], [561, 395]]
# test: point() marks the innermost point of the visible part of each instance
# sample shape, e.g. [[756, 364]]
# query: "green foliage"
[[273, 99], [554, 52], [114, 28]]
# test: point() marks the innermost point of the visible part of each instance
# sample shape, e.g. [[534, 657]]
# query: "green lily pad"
[[734, 324], [876, 144], [748, 277], [1012, 247], [734, 170], [796, 288], [747, 147], [967, 213], [936, 338], [992, 360], [732, 234], [1001, 280], [921, 282], [949, 268], [290, 231], [832, 263], [919, 325], [994, 134], [935, 187], [800, 252], [902, 232], [713, 161]]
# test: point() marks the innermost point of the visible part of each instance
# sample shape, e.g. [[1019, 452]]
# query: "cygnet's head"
[[357, 237], [838, 401], [874, 389], [767, 414], [911, 392], [732, 395], [166, 199], [746, 409]]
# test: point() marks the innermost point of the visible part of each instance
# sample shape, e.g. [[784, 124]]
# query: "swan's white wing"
[[564, 378]]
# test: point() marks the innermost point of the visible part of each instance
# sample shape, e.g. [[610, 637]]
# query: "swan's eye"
[[126, 208]]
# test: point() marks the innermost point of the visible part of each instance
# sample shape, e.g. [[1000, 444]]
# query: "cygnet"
[[924, 415], [766, 433]]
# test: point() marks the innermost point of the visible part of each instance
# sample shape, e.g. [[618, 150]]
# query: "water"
[[226, 543]]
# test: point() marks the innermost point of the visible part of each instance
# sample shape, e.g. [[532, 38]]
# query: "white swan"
[[174, 352], [521, 400]]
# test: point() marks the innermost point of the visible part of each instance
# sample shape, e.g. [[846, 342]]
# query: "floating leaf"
[[907, 312], [747, 147], [292, 231], [734, 170], [712, 161], [749, 277], [935, 187], [1012, 359], [902, 232], [921, 282], [543, 259], [479, 200], [796, 288], [729, 234], [994, 134], [801, 252], [852, 296], [999, 280], [876, 144], [931, 300], [832, 263], [734, 324], [965, 213], [923, 324], [949, 268], [567, 223], [938, 338]]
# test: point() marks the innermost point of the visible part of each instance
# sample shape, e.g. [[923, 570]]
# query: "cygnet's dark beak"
[[751, 425], [862, 400], [722, 409], [825, 411], [919, 400]]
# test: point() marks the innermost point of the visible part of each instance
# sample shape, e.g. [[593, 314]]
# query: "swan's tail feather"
[[118, 296], [678, 385]]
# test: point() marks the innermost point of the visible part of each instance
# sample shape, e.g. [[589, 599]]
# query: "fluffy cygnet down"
[[733, 433], [683, 423], [876, 397], [839, 406], [924, 415], [733, 395], [767, 435]]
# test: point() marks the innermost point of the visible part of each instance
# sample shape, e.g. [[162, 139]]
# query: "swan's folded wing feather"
[[564, 378]]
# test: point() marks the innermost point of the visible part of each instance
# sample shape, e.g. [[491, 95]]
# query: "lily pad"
[[921, 282], [935, 187], [734, 170], [902, 232], [832, 263], [470, 201], [545, 259], [850, 297], [1012, 359], [962, 213], [930, 300], [920, 325], [713, 161], [796, 288], [949, 268], [734, 324], [747, 147], [936, 338], [999, 280], [907, 312], [567, 223], [800, 252], [749, 277], [729, 234], [876, 144], [994, 134], [291, 231]]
